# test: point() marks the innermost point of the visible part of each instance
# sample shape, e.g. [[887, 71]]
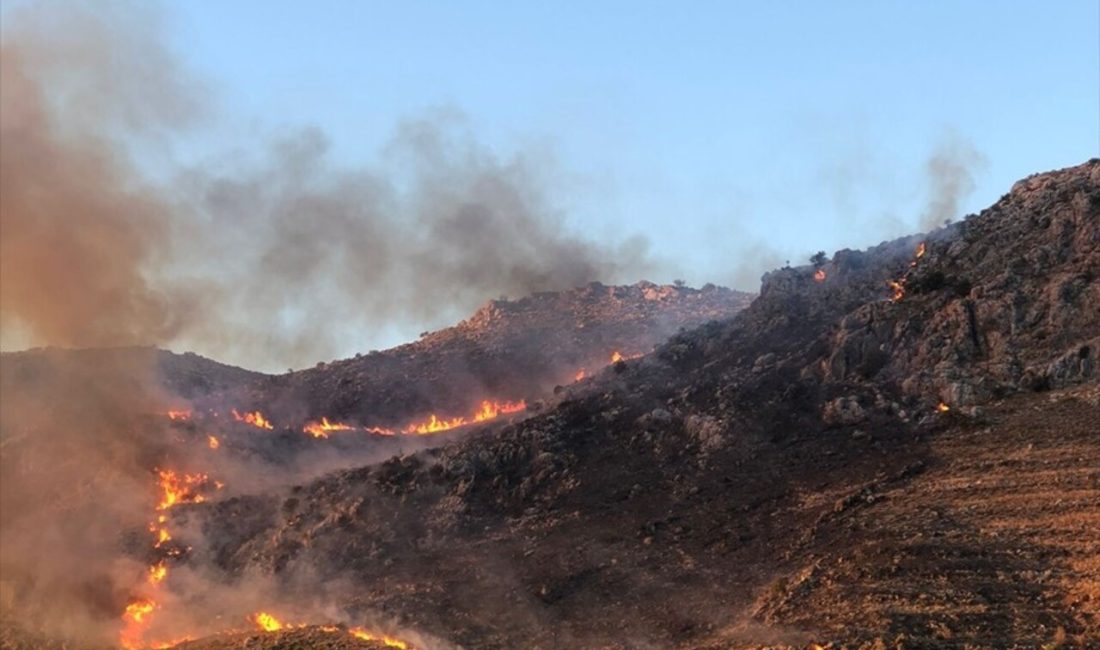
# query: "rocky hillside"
[[508, 351], [859, 458]]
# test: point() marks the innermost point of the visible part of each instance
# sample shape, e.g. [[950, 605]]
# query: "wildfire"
[[255, 418], [180, 488], [380, 431], [135, 620], [487, 411], [819, 275], [322, 428], [360, 633], [616, 357], [267, 622], [898, 286], [212, 442], [157, 573], [139, 609], [179, 415], [943, 408], [173, 489]]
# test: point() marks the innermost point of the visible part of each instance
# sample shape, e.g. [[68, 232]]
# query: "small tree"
[[818, 259], [679, 283]]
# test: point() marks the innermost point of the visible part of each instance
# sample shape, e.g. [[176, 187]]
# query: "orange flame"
[[321, 429], [173, 488], [134, 622], [254, 418], [212, 442], [180, 488], [942, 407], [898, 287], [380, 431], [361, 633], [267, 622], [488, 411], [157, 573], [819, 275], [580, 375], [179, 415]]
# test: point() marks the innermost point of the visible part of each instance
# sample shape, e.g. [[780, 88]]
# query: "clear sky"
[[803, 124]]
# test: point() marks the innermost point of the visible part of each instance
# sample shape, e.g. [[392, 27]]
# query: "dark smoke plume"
[[281, 260]]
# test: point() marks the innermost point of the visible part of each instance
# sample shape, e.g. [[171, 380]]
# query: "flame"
[[267, 622], [173, 488], [163, 536], [212, 442], [942, 407], [179, 415], [819, 275], [321, 429], [137, 610], [380, 431], [157, 573], [581, 374], [898, 287], [617, 356], [361, 633], [255, 418], [135, 621], [180, 488], [487, 411]]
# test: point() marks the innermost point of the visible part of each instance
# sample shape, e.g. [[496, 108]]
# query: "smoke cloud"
[[278, 260], [950, 169]]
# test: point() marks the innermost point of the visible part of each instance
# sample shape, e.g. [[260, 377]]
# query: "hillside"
[[806, 471], [92, 440], [510, 350]]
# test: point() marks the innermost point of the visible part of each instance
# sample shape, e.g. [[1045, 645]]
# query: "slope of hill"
[[92, 440], [756, 481], [509, 350]]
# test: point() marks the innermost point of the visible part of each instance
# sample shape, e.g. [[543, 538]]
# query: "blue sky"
[[715, 128]]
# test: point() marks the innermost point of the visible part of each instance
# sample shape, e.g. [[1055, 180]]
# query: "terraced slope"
[[997, 538]]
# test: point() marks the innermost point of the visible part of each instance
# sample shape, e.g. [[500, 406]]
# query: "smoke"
[[77, 225], [279, 259], [308, 255], [950, 170], [75, 459]]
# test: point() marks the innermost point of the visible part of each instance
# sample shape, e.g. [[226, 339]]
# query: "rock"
[[764, 362], [843, 410]]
